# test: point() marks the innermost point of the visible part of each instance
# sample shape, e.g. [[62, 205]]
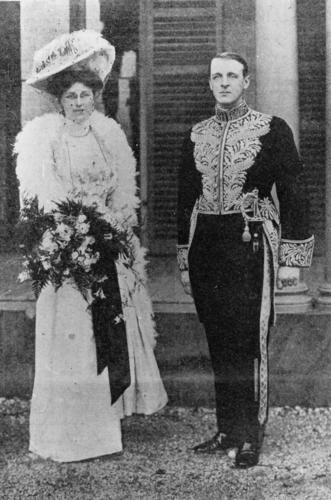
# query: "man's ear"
[[247, 81]]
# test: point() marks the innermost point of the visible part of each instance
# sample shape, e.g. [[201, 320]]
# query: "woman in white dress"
[[80, 154]]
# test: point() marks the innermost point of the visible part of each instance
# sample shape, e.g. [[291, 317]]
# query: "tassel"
[[246, 236]]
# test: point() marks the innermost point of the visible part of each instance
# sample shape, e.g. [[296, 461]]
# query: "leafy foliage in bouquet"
[[32, 224], [72, 242]]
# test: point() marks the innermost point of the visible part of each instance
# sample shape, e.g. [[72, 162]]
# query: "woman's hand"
[[185, 279], [287, 276]]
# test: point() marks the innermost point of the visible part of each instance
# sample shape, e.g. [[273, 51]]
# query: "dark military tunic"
[[230, 164]]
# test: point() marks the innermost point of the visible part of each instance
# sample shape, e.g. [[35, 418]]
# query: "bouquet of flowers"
[[77, 243], [72, 242]]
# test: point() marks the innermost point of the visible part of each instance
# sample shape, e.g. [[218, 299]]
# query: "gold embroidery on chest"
[[241, 145], [241, 148], [207, 137]]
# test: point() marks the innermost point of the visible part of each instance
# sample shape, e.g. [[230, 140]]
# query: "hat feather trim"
[[83, 49]]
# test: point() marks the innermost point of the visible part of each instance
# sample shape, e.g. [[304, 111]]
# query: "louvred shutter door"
[[184, 40]]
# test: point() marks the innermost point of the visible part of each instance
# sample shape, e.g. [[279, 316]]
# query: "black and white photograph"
[[165, 249]]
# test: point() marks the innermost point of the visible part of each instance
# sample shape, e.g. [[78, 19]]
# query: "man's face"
[[227, 81]]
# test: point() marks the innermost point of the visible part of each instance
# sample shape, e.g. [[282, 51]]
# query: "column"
[[41, 21], [127, 73], [145, 71], [93, 21], [277, 94], [325, 289]]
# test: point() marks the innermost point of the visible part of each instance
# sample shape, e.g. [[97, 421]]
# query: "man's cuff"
[[182, 257], [296, 253]]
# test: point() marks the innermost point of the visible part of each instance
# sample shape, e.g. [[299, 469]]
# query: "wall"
[[300, 359], [10, 104], [312, 74]]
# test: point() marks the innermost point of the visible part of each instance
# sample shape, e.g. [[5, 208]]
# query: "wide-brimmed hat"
[[84, 49]]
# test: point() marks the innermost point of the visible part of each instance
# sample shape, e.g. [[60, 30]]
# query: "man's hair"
[[233, 56], [65, 79]]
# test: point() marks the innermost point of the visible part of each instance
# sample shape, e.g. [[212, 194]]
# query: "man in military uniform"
[[234, 245]]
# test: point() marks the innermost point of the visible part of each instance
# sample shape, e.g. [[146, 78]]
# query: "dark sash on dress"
[[110, 333]]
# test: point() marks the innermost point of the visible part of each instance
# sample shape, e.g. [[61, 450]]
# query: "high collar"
[[225, 115], [77, 129]]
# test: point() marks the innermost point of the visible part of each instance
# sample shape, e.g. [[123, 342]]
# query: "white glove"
[[185, 279], [287, 276]]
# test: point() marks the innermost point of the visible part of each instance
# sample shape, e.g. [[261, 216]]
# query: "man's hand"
[[287, 276], [185, 279]]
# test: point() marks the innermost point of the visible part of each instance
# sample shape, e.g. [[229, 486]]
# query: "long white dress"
[[71, 414]]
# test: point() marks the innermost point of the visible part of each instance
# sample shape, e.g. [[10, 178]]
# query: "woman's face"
[[78, 102]]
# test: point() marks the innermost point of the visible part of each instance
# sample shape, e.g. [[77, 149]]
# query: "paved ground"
[[157, 464]]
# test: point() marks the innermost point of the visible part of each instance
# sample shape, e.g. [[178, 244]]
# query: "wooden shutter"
[[181, 39]]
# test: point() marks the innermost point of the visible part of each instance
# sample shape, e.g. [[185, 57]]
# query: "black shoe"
[[247, 456], [220, 442]]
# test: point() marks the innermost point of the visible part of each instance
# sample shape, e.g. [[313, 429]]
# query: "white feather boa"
[[42, 170], [41, 160]]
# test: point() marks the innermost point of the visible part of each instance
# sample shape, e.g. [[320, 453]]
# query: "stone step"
[[300, 358]]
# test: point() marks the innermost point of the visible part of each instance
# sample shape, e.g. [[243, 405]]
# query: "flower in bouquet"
[[84, 255], [81, 225], [46, 262], [23, 276], [99, 293], [64, 232], [78, 243], [49, 243]]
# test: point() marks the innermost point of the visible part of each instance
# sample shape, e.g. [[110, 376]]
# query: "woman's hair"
[[232, 56], [65, 79]]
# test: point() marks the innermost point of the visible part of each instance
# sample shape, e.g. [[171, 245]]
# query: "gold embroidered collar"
[[225, 115]]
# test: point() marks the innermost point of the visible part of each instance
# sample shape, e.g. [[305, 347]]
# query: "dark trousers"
[[226, 277], [234, 356]]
